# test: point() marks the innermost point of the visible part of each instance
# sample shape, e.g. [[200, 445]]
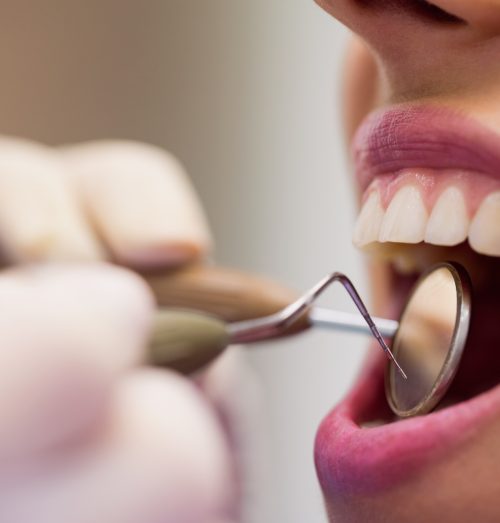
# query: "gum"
[[431, 183]]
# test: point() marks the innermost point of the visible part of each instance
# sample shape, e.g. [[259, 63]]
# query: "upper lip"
[[425, 136]]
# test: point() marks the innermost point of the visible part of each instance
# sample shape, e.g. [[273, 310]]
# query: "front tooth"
[[369, 221], [405, 219], [448, 223], [484, 235]]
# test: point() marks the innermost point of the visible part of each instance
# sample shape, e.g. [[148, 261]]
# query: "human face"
[[422, 107]]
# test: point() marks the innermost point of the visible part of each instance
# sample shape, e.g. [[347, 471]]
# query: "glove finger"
[[232, 387], [161, 458], [141, 202], [40, 219], [67, 334]]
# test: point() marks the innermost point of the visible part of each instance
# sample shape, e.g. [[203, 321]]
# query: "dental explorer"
[[428, 341]]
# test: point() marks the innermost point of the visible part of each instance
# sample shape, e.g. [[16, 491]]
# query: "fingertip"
[[169, 413], [142, 202], [164, 453], [168, 254], [109, 307]]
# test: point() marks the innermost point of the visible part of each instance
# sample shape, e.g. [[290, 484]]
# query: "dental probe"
[[187, 340], [428, 339]]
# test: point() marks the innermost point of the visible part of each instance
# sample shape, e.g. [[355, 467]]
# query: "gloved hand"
[[88, 434]]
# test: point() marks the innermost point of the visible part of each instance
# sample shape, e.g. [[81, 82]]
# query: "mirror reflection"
[[424, 338]]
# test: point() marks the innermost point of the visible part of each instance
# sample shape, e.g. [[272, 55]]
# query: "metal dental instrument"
[[169, 341], [272, 326], [430, 340], [427, 342]]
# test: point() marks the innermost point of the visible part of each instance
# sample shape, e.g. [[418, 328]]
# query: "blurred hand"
[[87, 434]]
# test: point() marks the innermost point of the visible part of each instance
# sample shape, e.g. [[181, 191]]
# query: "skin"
[[88, 433], [398, 56]]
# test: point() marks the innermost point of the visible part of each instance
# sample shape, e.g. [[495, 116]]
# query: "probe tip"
[[391, 356], [398, 366]]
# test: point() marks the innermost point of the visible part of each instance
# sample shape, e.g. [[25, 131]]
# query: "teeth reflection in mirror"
[[484, 235], [406, 218], [449, 222], [374, 423], [369, 221], [405, 264]]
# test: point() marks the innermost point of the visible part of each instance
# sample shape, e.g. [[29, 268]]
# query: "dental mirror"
[[430, 340], [427, 341]]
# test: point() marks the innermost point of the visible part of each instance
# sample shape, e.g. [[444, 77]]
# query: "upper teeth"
[[449, 220], [370, 220], [484, 233], [407, 220], [396, 225]]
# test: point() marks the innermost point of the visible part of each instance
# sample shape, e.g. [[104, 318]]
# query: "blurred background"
[[247, 95]]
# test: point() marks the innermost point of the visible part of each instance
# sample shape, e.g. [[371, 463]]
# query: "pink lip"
[[355, 460], [423, 136]]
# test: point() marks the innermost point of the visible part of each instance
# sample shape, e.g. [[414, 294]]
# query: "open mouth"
[[430, 180]]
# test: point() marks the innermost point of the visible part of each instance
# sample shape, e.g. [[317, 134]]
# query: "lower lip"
[[354, 459]]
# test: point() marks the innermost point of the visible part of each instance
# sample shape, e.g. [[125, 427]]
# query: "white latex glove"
[[88, 434]]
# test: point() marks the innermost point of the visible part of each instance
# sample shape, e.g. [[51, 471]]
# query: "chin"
[[430, 180]]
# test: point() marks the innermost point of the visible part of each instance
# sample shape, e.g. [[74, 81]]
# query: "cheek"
[[362, 87]]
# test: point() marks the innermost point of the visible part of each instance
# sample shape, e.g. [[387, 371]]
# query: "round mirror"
[[430, 340]]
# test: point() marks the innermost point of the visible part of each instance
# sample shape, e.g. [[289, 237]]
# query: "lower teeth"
[[373, 424]]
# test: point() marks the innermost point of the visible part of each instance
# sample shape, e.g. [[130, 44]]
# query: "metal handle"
[[350, 322]]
